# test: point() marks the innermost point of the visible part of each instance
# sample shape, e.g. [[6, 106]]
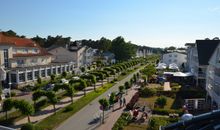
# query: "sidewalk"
[[44, 113], [113, 116], [167, 86]]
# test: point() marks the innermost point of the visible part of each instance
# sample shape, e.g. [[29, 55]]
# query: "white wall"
[[62, 55], [174, 57]]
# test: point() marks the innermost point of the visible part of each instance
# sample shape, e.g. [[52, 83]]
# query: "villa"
[[24, 61]]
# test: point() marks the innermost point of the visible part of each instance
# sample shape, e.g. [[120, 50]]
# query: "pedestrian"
[[120, 102], [124, 101], [143, 109]]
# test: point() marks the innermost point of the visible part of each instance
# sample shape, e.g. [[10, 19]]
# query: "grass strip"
[[56, 119]]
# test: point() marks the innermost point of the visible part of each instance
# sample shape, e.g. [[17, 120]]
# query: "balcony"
[[201, 75], [217, 79]]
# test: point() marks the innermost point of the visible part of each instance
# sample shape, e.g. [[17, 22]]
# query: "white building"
[[89, 56], [198, 56], [143, 52], [174, 57], [24, 61], [72, 53], [213, 78]]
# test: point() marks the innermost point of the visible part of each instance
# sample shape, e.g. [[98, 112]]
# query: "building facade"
[[24, 60], [174, 57], [213, 78], [71, 53], [198, 57]]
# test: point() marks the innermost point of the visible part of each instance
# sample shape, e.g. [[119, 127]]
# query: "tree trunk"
[[71, 99], [54, 108], [29, 120], [6, 115], [84, 91], [113, 107], [94, 87], [103, 116]]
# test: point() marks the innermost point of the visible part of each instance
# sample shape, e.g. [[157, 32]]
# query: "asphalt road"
[[85, 118]]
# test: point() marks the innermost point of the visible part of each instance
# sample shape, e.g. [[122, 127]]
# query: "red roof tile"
[[22, 42]]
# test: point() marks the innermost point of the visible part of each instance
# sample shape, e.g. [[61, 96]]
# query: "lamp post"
[[9, 89]]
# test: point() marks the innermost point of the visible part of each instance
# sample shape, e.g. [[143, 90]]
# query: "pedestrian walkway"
[[113, 116], [44, 113], [166, 86]]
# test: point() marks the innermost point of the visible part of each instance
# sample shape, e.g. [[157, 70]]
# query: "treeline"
[[123, 50]]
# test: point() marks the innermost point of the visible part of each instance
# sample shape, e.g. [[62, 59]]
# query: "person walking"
[[120, 102], [124, 101]]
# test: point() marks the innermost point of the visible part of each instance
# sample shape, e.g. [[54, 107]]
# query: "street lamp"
[[9, 89]]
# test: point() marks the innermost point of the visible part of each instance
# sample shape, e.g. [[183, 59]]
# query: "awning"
[[179, 74]]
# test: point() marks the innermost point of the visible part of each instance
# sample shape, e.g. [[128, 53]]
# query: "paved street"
[[84, 119]]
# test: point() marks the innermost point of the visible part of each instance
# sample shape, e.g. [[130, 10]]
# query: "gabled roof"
[[205, 50]]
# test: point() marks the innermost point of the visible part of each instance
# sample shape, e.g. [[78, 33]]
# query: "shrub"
[[174, 84], [13, 94], [123, 73], [115, 80], [147, 92], [160, 111], [40, 104], [171, 93], [30, 126], [123, 120], [161, 101], [68, 108], [112, 81]]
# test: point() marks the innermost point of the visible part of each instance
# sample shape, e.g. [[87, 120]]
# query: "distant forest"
[[123, 50]]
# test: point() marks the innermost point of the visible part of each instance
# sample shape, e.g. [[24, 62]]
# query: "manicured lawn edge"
[[55, 120]]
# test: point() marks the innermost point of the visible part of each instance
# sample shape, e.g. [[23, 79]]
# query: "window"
[[36, 74], [14, 51], [170, 60], [170, 55], [35, 50], [175, 55], [6, 64], [20, 62], [42, 73], [21, 77], [29, 76], [25, 50], [34, 61], [175, 61]]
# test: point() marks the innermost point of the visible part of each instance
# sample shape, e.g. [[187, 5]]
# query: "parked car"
[[64, 81], [49, 87]]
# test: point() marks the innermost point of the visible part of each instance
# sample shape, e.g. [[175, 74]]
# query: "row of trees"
[[23, 106], [123, 50], [74, 84]]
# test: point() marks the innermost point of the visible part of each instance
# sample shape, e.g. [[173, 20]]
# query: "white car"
[[64, 81]]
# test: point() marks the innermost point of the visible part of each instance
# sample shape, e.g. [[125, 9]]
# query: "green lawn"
[[151, 100], [133, 126], [54, 120]]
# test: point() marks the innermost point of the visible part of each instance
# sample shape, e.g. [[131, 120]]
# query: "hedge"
[[166, 111]]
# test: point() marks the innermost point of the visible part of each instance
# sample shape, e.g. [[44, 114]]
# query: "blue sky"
[[156, 23]]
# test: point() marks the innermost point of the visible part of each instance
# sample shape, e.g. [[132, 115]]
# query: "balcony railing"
[[201, 75], [217, 79]]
